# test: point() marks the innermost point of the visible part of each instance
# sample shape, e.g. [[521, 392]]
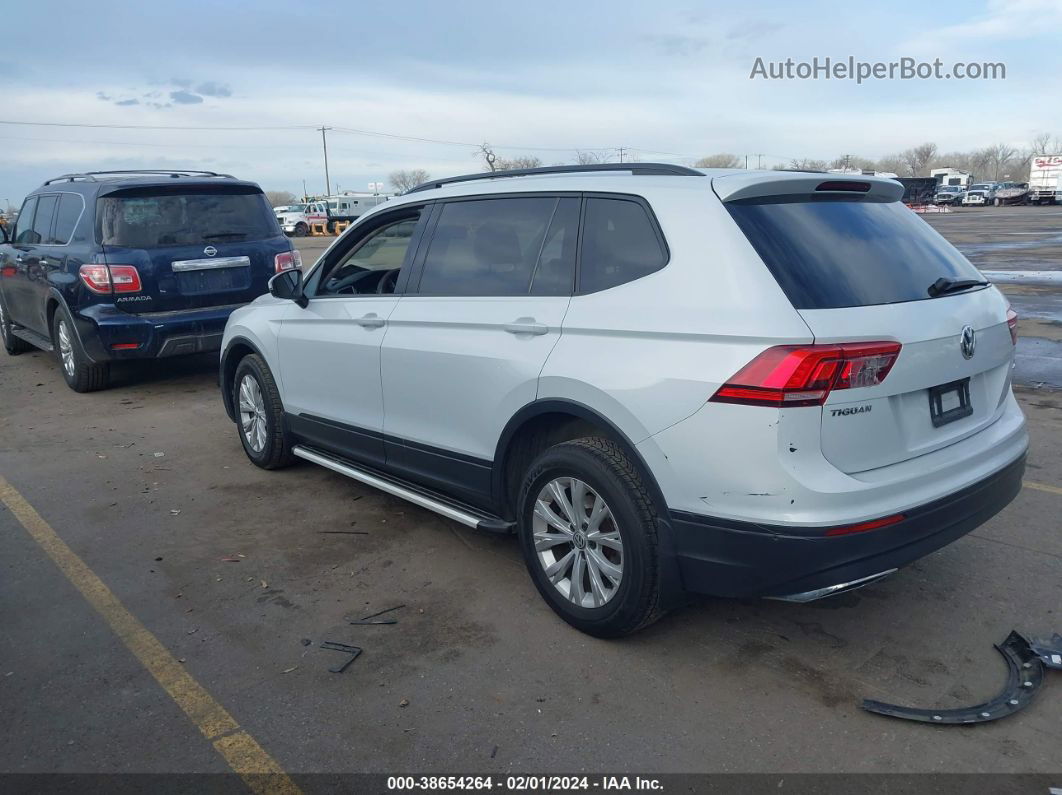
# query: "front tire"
[[588, 530], [80, 374], [260, 415], [301, 229], [12, 344]]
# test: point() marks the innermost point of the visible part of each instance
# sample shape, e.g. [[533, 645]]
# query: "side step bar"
[[451, 509], [33, 338]]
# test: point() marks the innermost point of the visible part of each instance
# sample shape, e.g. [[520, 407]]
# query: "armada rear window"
[[150, 218], [828, 253]]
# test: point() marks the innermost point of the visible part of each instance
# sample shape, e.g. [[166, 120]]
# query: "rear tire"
[[260, 415], [80, 374], [588, 529], [300, 230], [12, 344]]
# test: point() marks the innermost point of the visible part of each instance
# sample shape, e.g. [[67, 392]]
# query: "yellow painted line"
[[1041, 487], [244, 755]]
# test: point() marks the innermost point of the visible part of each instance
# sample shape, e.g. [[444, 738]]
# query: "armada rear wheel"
[[80, 373]]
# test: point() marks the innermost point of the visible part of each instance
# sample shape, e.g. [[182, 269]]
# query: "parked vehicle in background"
[[297, 220], [981, 194], [117, 265], [1011, 193], [664, 380], [1045, 179], [918, 191], [949, 194]]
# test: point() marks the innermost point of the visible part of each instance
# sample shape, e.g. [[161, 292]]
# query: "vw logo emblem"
[[210, 251], [967, 342]]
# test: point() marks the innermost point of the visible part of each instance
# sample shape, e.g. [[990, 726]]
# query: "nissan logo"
[[210, 251], [967, 342]]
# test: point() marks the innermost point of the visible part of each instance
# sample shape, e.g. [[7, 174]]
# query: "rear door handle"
[[526, 325], [371, 320]]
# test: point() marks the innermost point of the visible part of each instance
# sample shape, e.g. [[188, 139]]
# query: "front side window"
[[24, 226], [487, 246], [620, 244], [372, 268]]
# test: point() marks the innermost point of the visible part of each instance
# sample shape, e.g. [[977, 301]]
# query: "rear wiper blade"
[[943, 286], [224, 234]]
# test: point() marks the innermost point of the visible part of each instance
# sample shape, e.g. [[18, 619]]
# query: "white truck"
[[1045, 179], [296, 219]]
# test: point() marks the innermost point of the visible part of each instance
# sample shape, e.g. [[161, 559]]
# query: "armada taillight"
[[287, 260], [1012, 324], [105, 279], [804, 375]]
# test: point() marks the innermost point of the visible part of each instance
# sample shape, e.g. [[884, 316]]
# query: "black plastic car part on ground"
[[1026, 663]]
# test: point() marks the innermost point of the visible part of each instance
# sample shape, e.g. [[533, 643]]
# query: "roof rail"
[[90, 176], [638, 169]]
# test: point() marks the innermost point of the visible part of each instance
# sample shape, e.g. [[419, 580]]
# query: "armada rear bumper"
[[742, 559], [156, 334]]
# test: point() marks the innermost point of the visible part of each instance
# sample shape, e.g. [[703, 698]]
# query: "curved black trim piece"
[[1025, 674], [226, 388]]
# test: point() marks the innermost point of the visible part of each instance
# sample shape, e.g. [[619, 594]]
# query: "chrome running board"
[[468, 516], [832, 590]]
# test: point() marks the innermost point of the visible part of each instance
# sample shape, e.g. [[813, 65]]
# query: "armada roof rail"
[[637, 169], [90, 176]]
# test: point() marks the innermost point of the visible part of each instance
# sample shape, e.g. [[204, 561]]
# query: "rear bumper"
[[741, 559], [156, 335]]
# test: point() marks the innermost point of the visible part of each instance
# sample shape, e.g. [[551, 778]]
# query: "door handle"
[[526, 325], [371, 320]]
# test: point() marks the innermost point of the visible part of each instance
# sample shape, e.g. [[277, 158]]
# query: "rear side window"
[[147, 218], [42, 222], [66, 217], [828, 254], [620, 244], [489, 247]]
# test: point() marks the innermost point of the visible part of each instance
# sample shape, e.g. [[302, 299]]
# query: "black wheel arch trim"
[[671, 591], [226, 386], [82, 328]]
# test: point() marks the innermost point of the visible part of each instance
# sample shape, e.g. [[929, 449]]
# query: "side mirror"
[[288, 285]]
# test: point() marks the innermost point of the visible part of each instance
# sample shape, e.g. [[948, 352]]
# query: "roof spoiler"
[[754, 185]]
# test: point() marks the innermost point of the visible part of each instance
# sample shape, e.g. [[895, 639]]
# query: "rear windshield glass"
[[143, 219], [837, 253]]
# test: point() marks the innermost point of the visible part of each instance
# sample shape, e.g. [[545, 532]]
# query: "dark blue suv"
[[106, 266]]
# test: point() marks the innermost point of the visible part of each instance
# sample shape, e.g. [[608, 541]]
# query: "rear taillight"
[[105, 279], [1012, 324], [804, 375], [287, 260]]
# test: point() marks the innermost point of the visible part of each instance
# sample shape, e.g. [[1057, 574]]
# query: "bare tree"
[[918, 158], [1000, 159], [1046, 144], [893, 164], [524, 161], [280, 198], [404, 179], [803, 164], [853, 161], [591, 158], [489, 158], [721, 160]]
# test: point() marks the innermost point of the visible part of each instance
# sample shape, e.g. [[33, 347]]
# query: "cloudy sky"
[[665, 80]]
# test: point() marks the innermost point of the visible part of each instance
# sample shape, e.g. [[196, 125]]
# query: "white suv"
[[663, 380]]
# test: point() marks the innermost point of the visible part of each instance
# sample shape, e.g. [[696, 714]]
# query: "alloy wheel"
[[252, 413], [577, 542], [66, 349]]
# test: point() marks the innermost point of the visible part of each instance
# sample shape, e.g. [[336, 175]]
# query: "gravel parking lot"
[[240, 574]]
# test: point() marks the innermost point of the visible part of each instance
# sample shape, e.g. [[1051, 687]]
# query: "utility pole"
[[746, 162], [305, 195], [847, 159], [759, 161], [324, 145], [622, 149]]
